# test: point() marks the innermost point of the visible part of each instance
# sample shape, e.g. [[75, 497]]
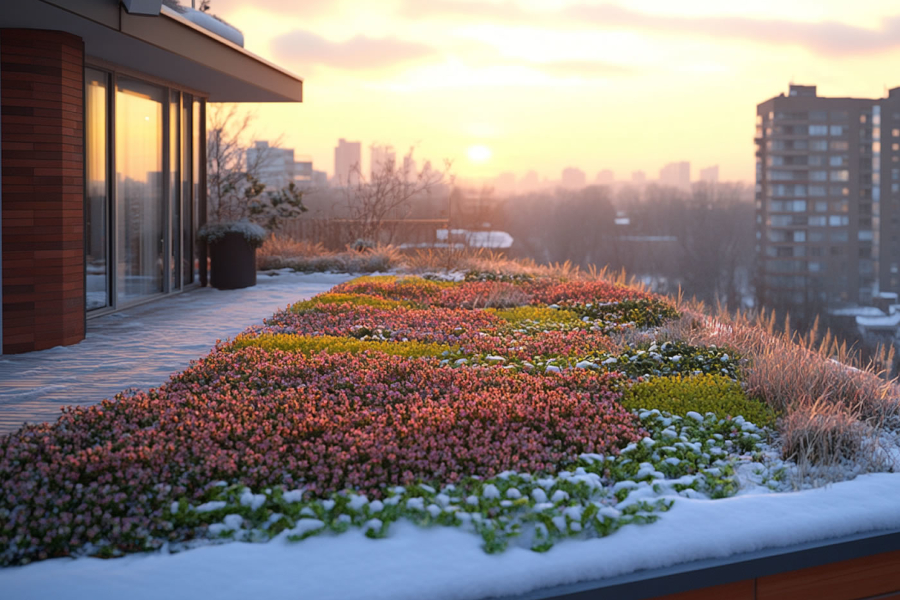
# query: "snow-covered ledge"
[[445, 563], [210, 23]]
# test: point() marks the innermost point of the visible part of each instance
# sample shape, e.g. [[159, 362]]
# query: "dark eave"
[[167, 46]]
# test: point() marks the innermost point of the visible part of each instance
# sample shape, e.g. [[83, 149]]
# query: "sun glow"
[[479, 154]]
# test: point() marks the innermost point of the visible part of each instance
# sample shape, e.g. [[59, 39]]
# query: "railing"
[[335, 234]]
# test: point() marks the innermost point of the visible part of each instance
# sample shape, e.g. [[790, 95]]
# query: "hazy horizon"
[[548, 85]]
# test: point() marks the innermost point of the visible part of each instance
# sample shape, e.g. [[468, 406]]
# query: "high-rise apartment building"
[[573, 178], [380, 157], [274, 166], [531, 181], [347, 162], [827, 199], [277, 167], [710, 174], [606, 176], [676, 174]]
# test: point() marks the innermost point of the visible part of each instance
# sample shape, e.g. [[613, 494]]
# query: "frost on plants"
[[493, 404]]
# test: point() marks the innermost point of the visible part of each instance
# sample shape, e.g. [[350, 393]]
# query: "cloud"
[[358, 53], [294, 8], [581, 68], [828, 38], [506, 10], [587, 69]]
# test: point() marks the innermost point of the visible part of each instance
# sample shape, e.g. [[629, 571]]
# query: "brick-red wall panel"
[[42, 112]]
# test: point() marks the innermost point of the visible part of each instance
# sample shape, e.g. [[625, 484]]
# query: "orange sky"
[[549, 84]]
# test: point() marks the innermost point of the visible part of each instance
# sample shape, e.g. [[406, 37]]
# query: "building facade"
[[381, 158], [347, 162], [275, 165], [827, 199], [279, 167], [573, 178], [676, 174], [710, 174], [102, 157]]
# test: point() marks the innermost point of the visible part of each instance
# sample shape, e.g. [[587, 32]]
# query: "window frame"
[[198, 196]]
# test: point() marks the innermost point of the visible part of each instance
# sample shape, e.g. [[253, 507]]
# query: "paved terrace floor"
[[141, 347]]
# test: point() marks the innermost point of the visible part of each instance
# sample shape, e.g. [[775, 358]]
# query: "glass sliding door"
[[143, 182], [197, 140], [140, 199], [188, 201], [175, 188], [97, 209]]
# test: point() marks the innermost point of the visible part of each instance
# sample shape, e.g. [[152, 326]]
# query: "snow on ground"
[[445, 563], [142, 346]]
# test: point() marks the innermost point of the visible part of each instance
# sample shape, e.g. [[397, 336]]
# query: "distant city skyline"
[[348, 154], [545, 85], [347, 162]]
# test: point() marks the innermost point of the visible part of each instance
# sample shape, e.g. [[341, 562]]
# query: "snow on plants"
[[494, 405], [106, 475]]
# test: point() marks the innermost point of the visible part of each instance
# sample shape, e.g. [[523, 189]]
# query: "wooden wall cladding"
[[875, 577], [42, 137]]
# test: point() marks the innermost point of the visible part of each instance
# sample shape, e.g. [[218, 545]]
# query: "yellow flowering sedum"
[[698, 393]]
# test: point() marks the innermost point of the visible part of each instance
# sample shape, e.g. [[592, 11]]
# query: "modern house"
[[102, 178]]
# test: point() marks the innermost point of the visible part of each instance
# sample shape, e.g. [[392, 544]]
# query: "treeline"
[[701, 241]]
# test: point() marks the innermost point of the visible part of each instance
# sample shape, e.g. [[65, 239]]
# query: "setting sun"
[[479, 154]]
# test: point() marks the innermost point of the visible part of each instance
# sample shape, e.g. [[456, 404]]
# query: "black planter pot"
[[233, 262]]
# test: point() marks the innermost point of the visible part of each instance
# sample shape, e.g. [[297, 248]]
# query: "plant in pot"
[[232, 253], [242, 211]]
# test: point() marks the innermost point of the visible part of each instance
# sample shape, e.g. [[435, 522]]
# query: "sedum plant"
[[700, 394]]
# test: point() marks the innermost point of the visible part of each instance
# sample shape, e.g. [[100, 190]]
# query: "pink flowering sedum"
[[273, 418], [109, 475]]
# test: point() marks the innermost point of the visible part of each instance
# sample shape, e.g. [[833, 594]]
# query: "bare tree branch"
[[388, 194], [233, 174]]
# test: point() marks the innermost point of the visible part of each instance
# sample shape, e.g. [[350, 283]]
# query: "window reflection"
[[175, 187], [187, 269], [140, 214], [96, 237], [197, 166]]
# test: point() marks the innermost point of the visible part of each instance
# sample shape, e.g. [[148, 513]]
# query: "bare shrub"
[[682, 329], [484, 260], [785, 369], [501, 296], [826, 440], [820, 432], [285, 253], [833, 406], [286, 247], [377, 202]]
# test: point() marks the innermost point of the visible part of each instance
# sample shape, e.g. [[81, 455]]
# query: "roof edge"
[[175, 16]]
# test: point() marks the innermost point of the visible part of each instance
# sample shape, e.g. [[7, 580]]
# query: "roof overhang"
[[167, 46]]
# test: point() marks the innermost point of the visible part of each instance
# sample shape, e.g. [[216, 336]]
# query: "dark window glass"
[[187, 199], [97, 209], [175, 187]]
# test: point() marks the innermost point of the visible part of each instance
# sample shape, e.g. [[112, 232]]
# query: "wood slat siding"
[[42, 112], [860, 578], [875, 577]]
